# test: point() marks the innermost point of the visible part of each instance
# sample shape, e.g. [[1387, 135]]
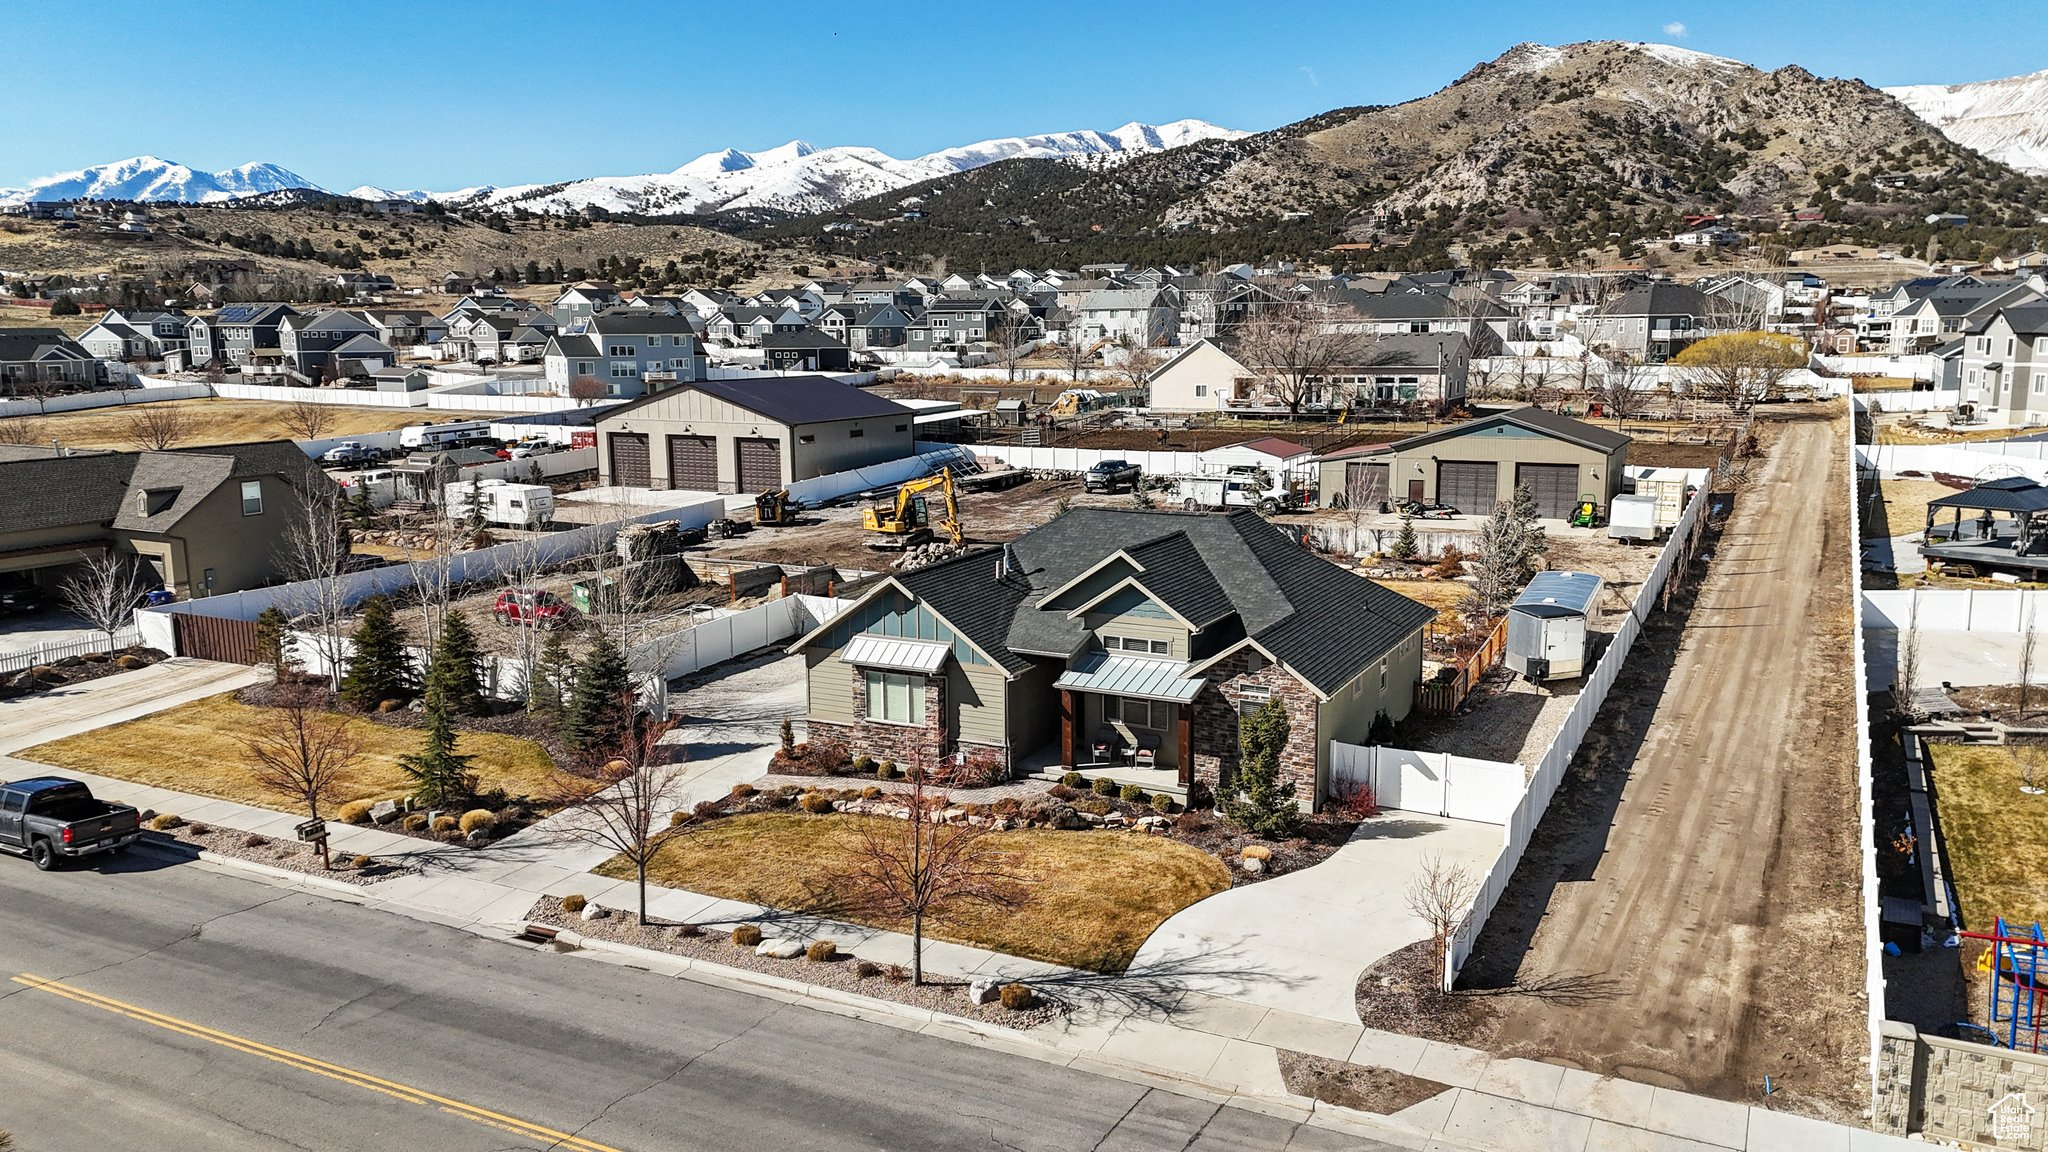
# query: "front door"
[[1415, 492]]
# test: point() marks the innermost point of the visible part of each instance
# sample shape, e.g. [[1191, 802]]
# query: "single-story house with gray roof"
[[1127, 630]]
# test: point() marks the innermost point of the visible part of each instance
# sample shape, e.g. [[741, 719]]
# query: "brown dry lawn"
[[1094, 897], [198, 747], [1442, 595], [214, 422], [1906, 500], [16, 316], [1996, 835]]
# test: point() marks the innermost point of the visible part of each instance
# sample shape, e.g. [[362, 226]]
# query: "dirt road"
[[1688, 913]]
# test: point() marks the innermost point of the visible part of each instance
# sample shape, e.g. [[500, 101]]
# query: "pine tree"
[[600, 703], [547, 683], [457, 670], [360, 509], [273, 639], [1406, 547], [1265, 804], [475, 520], [379, 670], [1534, 540], [440, 775]]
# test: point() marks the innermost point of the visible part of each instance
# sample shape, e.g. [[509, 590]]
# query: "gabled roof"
[[1535, 420], [788, 400], [1658, 298], [629, 321], [802, 338], [22, 345], [559, 345]]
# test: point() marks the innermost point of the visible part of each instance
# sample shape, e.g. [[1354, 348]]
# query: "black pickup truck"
[[1109, 475], [49, 817]]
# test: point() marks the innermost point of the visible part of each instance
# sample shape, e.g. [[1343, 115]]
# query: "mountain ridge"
[[2005, 119]]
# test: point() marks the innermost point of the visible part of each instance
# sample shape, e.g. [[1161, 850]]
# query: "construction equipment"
[[907, 519], [775, 509]]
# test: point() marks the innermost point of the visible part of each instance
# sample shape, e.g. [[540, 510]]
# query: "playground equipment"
[[2015, 961]]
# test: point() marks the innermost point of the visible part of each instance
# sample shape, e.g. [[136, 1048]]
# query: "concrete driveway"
[[51, 626], [1298, 942], [26, 720]]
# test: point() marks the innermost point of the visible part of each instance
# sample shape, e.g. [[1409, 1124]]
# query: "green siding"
[[977, 709], [894, 616], [1131, 602], [831, 687]]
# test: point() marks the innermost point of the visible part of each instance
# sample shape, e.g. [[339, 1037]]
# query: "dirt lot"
[[1688, 913], [216, 422]]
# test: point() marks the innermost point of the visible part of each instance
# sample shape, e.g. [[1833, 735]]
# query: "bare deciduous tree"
[[104, 592], [2029, 639], [1908, 679], [619, 798], [312, 553], [307, 420], [1439, 896], [153, 427], [1620, 384], [1295, 345], [588, 390], [305, 753], [1075, 352], [921, 866]]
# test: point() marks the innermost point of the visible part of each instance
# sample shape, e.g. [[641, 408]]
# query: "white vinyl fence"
[[1543, 783], [1907, 401], [1437, 783], [345, 397], [1985, 461], [1866, 835], [1079, 459], [1955, 610], [108, 398], [1904, 367], [41, 654]]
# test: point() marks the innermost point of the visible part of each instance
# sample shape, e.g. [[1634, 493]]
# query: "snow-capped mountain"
[[798, 177], [2006, 120], [148, 178]]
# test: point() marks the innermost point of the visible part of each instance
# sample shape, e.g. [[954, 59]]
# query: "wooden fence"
[[1443, 695]]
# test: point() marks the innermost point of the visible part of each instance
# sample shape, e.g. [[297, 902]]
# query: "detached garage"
[[751, 436], [1477, 464]]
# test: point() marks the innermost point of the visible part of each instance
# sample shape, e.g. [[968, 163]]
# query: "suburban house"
[[1212, 306], [114, 340], [1477, 464], [1392, 371], [317, 344], [579, 302], [1146, 317], [807, 351], [864, 326], [205, 520], [1146, 634], [1950, 310], [1200, 377], [746, 325], [753, 435], [1652, 322], [951, 323], [35, 359], [2005, 363], [629, 352], [247, 333]]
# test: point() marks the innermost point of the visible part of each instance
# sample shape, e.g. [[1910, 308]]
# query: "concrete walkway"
[[75, 708]]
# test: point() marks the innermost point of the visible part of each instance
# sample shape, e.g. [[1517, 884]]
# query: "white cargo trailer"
[[1633, 517], [1548, 625]]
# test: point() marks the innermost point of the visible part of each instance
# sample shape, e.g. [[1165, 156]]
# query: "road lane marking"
[[304, 1063]]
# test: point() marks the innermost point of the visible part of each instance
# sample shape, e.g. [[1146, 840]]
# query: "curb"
[[338, 887]]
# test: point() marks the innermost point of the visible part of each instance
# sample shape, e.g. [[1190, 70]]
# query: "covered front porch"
[[1128, 715]]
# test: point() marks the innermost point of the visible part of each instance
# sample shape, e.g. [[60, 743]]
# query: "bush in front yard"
[[445, 825], [980, 768], [414, 822], [1161, 802], [477, 818], [886, 770], [1074, 780], [747, 935], [353, 812], [166, 821], [821, 951], [1259, 852], [742, 791], [1017, 997], [362, 863], [1134, 794], [815, 803], [865, 969], [1104, 786], [573, 903], [864, 765]]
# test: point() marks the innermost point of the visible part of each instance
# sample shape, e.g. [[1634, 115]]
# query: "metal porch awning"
[[895, 654], [1137, 676]]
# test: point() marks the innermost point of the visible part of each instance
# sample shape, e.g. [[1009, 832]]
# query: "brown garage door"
[[693, 463], [760, 464], [629, 460], [1365, 485], [1556, 487], [1470, 486]]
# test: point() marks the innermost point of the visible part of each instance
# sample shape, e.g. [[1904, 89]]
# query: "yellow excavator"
[[909, 519]]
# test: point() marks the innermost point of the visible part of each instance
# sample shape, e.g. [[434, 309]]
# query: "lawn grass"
[[197, 747], [1094, 897], [1905, 503], [1996, 836], [1442, 595], [216, 422]]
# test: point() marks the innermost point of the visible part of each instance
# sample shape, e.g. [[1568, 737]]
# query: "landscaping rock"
[[1153, 824], [1114, 820], [1254, 865], [595, 911], [24, 680], [984, 991], [1067, 819], [952, 815], [478, 836], [385, 811], [69, 662], [780, 949], [1092, 820]]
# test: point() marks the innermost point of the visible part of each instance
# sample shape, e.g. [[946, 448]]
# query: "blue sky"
[[378, 92]]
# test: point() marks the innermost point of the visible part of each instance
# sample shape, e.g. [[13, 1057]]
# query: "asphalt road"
[[187, 1008]]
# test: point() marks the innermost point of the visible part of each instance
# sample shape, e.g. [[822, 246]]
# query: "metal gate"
[[1555, 486], [693, 463], [1365, 485], [760, 464], [211, 638], [1470, 486], [629, 460]]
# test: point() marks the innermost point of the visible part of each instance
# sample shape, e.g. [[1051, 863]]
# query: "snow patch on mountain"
[[2006, 120], [1687, 58], [152, 179]]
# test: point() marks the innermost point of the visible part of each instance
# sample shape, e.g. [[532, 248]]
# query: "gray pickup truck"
[[49, 818]]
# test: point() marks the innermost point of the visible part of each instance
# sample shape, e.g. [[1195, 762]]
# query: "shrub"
[[886, 770], [678, 818], [815, 803], [705, 809], [390, 705], [747, 935], [897, 973], [446, 824], [1189, 821], [573, 903], [200, 829], [254, 841], [1355, 801], [164, 822], [131, 663], [981, 768], [690, 930], [742, 791], [1450, 564], [477, 818], [1259, 852], [1095, 806], [1161, 802], [866, 969], [1134, 794], [787, 747], [1061, 792], [1103, 786], [870, 792], [1074, 780], [864, 764], [821, 951], [354, 812], [1017, 997], [362, 863], [414, 822], [824, 757], [1007, 806]]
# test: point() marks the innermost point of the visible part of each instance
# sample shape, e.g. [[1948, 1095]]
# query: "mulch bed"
[[890, 982], [1359, 1086], [1402, 993], [287, 854], [91, 666]]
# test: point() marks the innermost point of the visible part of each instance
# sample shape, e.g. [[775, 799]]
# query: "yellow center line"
[[318, 1067]]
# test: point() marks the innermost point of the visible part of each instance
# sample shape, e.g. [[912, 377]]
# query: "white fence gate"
[[1438, 783]]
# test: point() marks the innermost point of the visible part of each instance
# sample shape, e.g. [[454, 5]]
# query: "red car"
[[519, 605]]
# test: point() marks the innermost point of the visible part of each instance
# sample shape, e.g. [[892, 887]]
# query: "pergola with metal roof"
[[1998, 524]]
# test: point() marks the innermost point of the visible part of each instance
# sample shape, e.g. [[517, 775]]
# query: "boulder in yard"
[[1253, 864], [780, 949], [385, 811], [984, 991], [68, 662], [595, 911], [1153, 824]]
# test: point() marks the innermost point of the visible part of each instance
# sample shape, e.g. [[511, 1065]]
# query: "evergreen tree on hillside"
[[440, 775], [601, 703], [379, 668]]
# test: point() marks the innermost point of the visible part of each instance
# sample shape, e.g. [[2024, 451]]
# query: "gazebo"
[[1999, 524]]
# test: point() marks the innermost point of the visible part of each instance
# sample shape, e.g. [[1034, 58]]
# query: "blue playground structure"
[[2017, 972]]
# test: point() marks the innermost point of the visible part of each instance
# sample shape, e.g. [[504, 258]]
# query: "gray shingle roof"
[[790, 400], [1535, 420]]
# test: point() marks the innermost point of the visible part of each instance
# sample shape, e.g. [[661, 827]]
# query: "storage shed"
[[749, 435], [1547, 625], [1477, 464]]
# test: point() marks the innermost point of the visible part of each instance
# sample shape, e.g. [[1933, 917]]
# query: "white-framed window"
[[654, 341], [679, 365], [1152, 715], [895, 697], [625, 370], [2008, 346], [1138, 644], [252, 497], [585, 368], [1201, 390]]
